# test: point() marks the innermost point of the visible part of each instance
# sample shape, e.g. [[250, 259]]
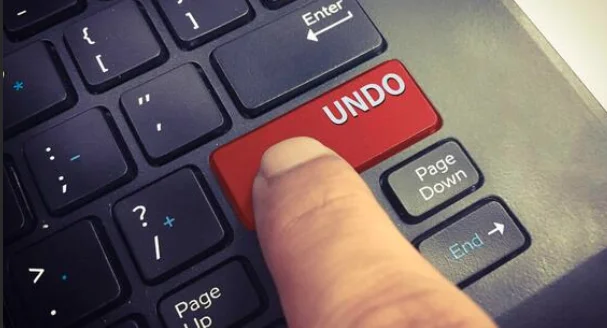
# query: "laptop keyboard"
[[153, 246]]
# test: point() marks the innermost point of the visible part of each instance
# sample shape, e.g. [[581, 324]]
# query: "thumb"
[[336, 258]]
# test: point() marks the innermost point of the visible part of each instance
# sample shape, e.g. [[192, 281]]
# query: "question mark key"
[[196, 230]]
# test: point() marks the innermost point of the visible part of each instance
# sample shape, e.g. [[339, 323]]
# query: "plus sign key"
[[169, 224]]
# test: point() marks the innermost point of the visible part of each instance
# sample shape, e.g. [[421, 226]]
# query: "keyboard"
[[133, 130]]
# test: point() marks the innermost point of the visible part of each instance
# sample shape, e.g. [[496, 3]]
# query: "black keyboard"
[[132, 129]]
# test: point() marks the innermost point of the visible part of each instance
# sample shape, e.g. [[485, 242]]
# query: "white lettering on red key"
[[367, 101], [365, 120]]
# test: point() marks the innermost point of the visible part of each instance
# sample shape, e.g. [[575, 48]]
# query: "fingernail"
[[291, 153]]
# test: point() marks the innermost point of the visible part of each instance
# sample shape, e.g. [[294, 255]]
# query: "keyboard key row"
[[472, 243], [84, 157], [119, 43], [109, 48], [192, 22]]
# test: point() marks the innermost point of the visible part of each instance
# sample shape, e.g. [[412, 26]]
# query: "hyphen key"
[[364, 120]]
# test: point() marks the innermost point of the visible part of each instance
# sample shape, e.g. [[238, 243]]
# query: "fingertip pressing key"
[[334, 254], [290, 153]]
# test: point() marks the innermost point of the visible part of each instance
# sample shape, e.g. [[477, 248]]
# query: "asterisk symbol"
[[19, 85]]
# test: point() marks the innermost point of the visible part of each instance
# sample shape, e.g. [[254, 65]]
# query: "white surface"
[[577, 29]]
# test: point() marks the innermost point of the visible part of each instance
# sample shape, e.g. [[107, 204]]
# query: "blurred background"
[[577, 29]]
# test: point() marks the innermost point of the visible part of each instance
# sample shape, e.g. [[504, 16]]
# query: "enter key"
[[481, 240], [303, 49]]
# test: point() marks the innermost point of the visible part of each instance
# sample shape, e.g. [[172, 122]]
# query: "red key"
[[365, 120]]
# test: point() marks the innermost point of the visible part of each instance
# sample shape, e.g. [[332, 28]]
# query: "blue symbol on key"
[[19, 85], [64, 277], [168, 221], [74, 158]]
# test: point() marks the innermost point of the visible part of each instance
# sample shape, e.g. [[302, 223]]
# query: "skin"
[[335, 256]]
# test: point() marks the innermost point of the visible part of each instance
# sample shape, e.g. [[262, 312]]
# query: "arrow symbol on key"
[[498, 228], [39, 272], [313, 36]]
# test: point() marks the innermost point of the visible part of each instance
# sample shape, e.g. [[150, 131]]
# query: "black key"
[[295, 53], [169, 224], [194, 22], [480, 241], [114, 45], [62, 279], [173, 113], [16, 215], [275, 4], [23, 18], [278, 324], [127, 324], [429, 182], [35, 87], [77, 160], [221, 298]]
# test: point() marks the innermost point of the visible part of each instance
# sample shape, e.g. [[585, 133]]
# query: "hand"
[[336, 258]]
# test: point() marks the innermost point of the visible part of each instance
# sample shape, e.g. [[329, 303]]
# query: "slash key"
[[169, 223]]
